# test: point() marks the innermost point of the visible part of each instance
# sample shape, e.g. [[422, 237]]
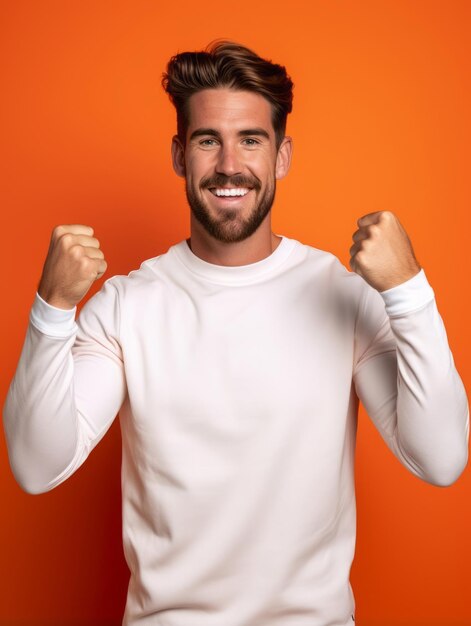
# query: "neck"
[[255, 248]]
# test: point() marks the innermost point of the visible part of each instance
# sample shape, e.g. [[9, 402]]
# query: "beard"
[[231, 227]]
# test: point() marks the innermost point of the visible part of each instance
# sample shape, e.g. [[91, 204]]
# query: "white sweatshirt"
[[237, 394]]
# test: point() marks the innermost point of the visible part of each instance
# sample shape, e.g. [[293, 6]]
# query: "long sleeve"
[[68, 386], [406, 378]]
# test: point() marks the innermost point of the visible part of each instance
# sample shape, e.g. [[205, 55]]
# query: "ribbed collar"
[[238, 274]]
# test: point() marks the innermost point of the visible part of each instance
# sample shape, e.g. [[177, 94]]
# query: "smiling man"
[[230, 164], [236, 361]]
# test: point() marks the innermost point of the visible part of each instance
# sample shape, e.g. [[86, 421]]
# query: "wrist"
[[56, 301]]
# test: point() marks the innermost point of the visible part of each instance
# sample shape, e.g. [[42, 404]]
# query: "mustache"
[[238, 180]]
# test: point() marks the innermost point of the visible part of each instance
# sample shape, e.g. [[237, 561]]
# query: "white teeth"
[[230, 192]]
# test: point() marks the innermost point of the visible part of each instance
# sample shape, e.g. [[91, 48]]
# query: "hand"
[[382, 253], [73, 263]]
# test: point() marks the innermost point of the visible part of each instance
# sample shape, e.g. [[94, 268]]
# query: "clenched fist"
[[382, 253], [73, 262]]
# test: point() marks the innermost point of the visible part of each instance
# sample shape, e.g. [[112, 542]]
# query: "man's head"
[[231, 117], [225, 64]]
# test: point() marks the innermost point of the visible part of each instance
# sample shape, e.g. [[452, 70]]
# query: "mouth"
[[230, 196], [229, 192]]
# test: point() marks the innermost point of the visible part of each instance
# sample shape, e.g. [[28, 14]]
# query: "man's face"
[[229, 162]]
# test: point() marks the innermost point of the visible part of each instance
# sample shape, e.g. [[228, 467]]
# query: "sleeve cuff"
[[51, 320], [409, 296]]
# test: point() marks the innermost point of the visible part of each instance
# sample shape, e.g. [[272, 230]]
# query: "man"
[[236, 361]]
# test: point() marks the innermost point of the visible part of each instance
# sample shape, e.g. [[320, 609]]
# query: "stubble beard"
[[230, 227]]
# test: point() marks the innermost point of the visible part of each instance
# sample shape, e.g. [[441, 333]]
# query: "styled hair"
[[228, 64]]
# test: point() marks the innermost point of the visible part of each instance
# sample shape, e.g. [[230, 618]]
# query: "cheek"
[[265, 165], [198, 168], [266, 174]]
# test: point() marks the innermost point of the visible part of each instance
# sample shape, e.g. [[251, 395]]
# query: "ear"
[[178, 156], [283, 158]]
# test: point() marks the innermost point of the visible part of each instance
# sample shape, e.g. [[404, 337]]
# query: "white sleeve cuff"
[[51, 320], [409, 296]]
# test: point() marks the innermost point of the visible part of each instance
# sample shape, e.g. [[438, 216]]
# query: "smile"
[[228, 192]]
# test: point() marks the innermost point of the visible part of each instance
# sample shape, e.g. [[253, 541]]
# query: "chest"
[[233, 352]]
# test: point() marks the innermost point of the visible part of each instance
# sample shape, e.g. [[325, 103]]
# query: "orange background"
[[380, 121]]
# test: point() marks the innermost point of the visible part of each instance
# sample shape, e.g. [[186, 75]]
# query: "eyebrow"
[[258, 132]]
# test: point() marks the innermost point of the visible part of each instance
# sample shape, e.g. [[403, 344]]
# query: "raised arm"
[[69, 382], [404, 371]]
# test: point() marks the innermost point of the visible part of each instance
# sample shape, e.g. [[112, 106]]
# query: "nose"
[[228, 161]]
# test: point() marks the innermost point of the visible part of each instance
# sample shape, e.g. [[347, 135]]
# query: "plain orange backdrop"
[[381, 120]]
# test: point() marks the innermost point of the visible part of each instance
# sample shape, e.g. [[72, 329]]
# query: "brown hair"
[[228, 64]]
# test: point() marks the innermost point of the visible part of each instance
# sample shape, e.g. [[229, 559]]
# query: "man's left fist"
[[382, 253]]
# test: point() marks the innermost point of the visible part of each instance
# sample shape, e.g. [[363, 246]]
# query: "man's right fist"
[[74, 261]]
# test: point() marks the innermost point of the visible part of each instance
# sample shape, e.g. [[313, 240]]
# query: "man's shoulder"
[[326, 265], [150, 271]]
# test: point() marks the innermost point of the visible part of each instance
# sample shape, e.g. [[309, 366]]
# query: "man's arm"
[[69, 383], [407, 381]]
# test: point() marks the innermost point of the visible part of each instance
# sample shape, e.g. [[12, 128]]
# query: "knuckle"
[[386, 216], [67, 240], [87, 265], [58, 231], [76, 251], [374, 230]]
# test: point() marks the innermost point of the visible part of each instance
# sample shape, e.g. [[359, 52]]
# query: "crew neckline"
[[234, 274]]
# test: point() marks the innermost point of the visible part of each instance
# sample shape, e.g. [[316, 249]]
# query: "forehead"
[[229, 109]]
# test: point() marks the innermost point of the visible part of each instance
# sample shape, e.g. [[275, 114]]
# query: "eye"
[[207, 142], [249, 141]]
